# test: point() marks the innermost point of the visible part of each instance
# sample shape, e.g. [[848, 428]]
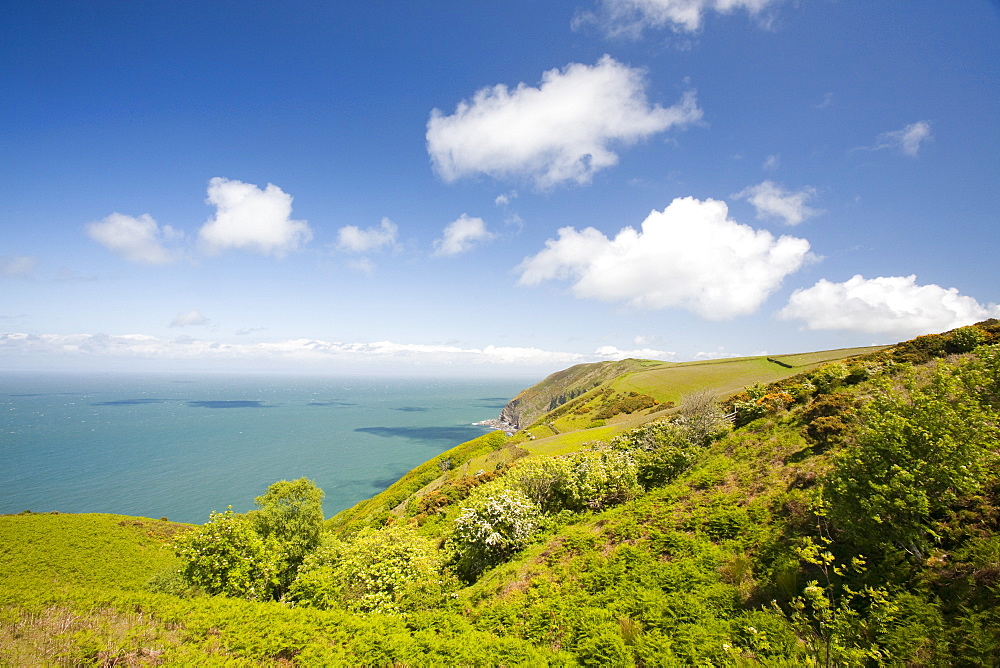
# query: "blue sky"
[[453, 187]]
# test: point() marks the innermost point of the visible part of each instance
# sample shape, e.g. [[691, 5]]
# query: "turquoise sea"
[[181, 445]]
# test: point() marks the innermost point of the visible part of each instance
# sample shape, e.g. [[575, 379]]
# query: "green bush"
[[389, 570], [918, 449], [228, 556]]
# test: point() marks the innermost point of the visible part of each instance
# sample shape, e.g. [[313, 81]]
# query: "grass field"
[[725, 376], [76, 550], [667, 382]]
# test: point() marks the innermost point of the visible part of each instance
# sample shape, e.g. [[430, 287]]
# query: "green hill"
[[836, 508]]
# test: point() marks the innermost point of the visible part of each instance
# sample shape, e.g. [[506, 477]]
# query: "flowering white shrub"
[[491, 529]]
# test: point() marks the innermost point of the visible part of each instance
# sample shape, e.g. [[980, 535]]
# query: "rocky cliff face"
[[510, 416]]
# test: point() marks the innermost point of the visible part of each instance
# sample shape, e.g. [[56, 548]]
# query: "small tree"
[[290, 514], [701, 418]]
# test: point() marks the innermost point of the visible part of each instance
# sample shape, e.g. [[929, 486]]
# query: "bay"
[[182, 445]]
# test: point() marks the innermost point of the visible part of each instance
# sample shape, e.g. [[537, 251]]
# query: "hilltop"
[[836, 508]]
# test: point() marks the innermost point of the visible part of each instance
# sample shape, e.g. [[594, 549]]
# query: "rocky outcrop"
[[508, 422]]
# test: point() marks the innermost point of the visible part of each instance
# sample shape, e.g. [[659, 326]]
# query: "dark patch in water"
[[227, 404], [412, 409], [128, 402], [382, 485], [450, 434], [330, 403]]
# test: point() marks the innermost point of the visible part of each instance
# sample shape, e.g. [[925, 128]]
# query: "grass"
[[73, 550], [725, 376], [56, 572], [562, 444]]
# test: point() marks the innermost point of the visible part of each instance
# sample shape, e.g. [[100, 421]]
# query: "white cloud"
[[772, 201], [690, 255], [138, 240], [562, 131], [312, 352], [250, 218], [771, 162], [17, 266], [908, 140], [503, 199], [885, 305], [613, 353], [189, 319], [354, 239], [630, 18], [461, 235]]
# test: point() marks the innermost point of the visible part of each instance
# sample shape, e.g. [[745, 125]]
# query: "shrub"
[[227, 556], [965, 339], [663, 465], [491, 529], [383, 571], [701, 418], [826, 419], [581, 481]]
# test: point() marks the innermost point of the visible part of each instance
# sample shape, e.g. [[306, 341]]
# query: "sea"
[[182, 445]]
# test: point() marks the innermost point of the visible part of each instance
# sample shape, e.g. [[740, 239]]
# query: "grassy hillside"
[[62, 550], [591, 402], [846, 514]]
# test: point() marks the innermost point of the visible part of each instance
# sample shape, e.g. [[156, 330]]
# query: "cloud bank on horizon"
[[728, 121], [317, 354]]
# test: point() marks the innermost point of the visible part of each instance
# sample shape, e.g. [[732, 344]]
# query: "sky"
[[458, 187]]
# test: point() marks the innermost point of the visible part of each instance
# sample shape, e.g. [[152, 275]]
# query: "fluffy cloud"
[[312, 352], [772, 201], [690, 255], [561, 131], [461, 235], [12, 266], [138, 240], [254, 219], [354, 239], [908, 140], [188, 319], [893, 305], [632, 17]]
